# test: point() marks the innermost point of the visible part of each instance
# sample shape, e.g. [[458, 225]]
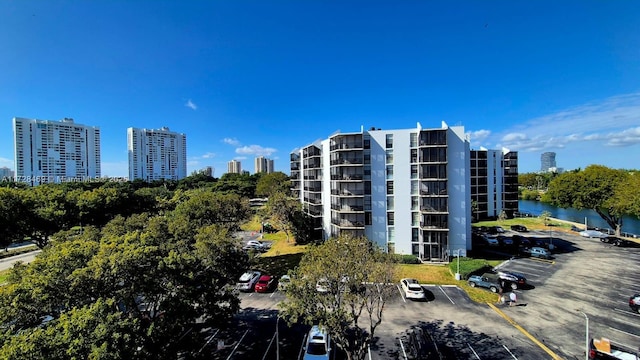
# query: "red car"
[[265, 283]]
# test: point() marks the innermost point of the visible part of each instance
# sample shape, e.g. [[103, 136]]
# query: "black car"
[[520, 240], [519, 228]]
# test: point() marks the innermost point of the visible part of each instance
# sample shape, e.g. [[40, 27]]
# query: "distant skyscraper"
[[547, 161], [263, 165], [208, 171], [55, 151], [156, 154], [234, 167], [6, 173]]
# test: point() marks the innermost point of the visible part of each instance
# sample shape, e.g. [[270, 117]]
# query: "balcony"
[[347, 162]]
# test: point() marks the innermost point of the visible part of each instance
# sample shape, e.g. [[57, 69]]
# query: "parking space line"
[[626, 312], [238, 344], [474, 352], [273, 293], [525, 332], [401, 294], [304, 339], [403, 351], [445, 294], [624, 332], [510, 353]]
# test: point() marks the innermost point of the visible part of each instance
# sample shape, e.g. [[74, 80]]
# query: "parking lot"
[[585, 275]]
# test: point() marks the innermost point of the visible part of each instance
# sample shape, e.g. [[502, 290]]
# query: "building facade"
[[494, 183], [406, 190], [547, 161], [234, 167], [156, 154], [55, 151], [6, 174], [263, 165]]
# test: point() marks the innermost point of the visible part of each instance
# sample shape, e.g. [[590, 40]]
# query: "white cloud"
[[208, 155], [230, 141], [478, 137], [612, 122], [4, 162], [255, 150], [191, 104]]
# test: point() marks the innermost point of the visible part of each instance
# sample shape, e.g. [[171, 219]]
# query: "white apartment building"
[[406, 190], [55, 151], [234, 167], [156, 154], [263, 165]]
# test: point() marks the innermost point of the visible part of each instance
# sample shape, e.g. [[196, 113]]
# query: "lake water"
[[629, 224]]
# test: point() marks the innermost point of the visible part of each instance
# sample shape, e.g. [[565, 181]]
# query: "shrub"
[[407, 259], [469, 266]]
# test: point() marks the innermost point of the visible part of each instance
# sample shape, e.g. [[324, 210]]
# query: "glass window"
[[415, 203], [391, 234], [413, 139], [390, 187], [414, 187], [390, 202], [389, 141], [415, 234], [389, 172], [414, 171], [389, 156], [415, 219], [390, 218]]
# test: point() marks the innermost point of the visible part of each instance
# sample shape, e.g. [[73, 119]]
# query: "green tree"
[[356, 272], [282, 211], [627, 195], [49, 212], [13, 217], [155, 288], [546, 217], [271, 183], [205, 207], [592, 188]]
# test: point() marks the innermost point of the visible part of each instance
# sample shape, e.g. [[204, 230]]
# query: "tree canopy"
[[355, 272], [592, 188]]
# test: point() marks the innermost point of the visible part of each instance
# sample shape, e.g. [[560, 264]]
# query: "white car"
[[318, 345], [412, 289], [256, 243], [322, 286], [593, 234], [248, 281], [284, 281]]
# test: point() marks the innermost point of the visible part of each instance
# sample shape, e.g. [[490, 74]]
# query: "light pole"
[[277, 338], [458, 271], [586, 336]]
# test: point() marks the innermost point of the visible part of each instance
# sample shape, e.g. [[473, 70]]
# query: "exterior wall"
[[263, 165], [55, 151], [6, 173], [156, 154], [403, 193], [495, 182], [234, 167]]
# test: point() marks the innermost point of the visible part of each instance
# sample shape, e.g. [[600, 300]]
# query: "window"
[[415, 234], [367, 218], [414, 187], [389, 187], [389, 172], [389, 141], [391, 234], [415, 203], [414, 171], [389, 158], [413, 139], [390, 218], [390, 203], [415, 219]]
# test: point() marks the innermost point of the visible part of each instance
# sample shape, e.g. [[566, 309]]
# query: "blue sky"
[[245, 78]]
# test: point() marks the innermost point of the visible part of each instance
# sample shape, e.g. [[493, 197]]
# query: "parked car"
[[265, 283], [634, 303], [505, 240], [489, 281], [257, 243], [537, 252], [318, 344], [519, 228], [514, 280], [284, 281], [521, 240], [491, 240], [592, 234], [248, 280], [495, 230], [412, 289]]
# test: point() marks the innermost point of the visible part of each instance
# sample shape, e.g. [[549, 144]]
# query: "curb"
[[525, 332]]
